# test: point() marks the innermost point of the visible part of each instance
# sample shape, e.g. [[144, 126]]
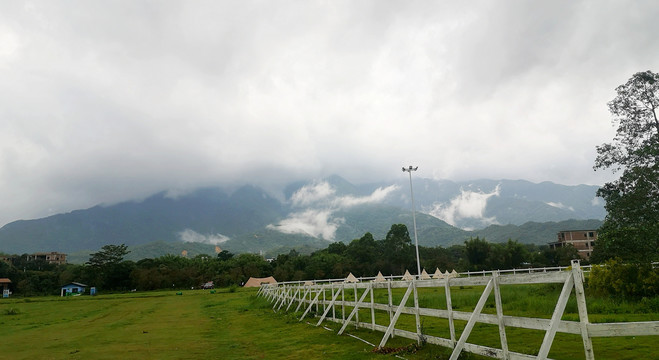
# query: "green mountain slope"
[[247, 219]]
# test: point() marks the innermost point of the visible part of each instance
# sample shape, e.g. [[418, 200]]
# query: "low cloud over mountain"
[[315, 206], [468, 205]]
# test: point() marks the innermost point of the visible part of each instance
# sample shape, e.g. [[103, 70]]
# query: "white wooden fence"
[[329, 297]]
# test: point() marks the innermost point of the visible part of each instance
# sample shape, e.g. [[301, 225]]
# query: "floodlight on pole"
[[416, 240]]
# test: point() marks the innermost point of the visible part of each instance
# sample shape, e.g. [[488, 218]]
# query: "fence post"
[[502, 327], [391, 304], [318, 295], [327, 308], [354, 312], [297, 291], [449, 308], [416, 312], [277, 302], [577, 274], [372, 287], [357, 314], [471, 322], [315, 300], [333, 305], [392, 324], [303, 299], [343, 304], [289, 289]]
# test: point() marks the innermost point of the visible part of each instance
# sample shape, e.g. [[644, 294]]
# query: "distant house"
[[52, 257], [582, 240], [4, 283], [73, 289]]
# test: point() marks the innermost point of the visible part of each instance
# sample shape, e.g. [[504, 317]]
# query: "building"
[[582, 240], [4, 284], [52, 257], [73, 288]]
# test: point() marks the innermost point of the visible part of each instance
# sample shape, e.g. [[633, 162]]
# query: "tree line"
[[366, 256]]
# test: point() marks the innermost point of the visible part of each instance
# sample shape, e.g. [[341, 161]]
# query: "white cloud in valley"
[[560, 205], [467, 205], [189, 235], [317, 204]]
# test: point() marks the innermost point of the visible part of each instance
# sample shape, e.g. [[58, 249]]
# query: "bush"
[[624, 280]]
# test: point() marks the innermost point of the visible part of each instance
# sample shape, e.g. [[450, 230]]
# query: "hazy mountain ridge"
[[314, 213]]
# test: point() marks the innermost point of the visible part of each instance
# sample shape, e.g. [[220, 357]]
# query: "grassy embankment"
[[226, 325]]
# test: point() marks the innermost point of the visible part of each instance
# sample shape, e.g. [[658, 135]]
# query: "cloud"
[[560, 206], [312, 193], [377, 196], [597, 201], [193, 94], [189, 235], [467, 205], [318, 220], [316, 223]]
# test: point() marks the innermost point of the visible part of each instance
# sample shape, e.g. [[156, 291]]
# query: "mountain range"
[[310, 214]]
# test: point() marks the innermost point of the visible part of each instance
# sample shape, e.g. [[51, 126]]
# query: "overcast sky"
[[104, 101]]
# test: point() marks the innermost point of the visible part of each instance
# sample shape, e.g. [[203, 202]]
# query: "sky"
[[102, 102]]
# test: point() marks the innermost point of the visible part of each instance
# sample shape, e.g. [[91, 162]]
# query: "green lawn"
[[237, 325], [163, 325]]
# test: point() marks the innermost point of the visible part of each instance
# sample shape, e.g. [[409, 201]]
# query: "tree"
[[477, 252], [363, 255], [106, 268], [338, 248], [109, 254], [224, 255], [398, 249], [631, 227]]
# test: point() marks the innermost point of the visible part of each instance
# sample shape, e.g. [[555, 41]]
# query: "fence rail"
[[329, 297], [585, 268]]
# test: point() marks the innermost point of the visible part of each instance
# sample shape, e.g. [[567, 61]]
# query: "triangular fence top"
[[438, 274], [408, 276], [454, 274], [380, 278], [351, 279], [424, 275]]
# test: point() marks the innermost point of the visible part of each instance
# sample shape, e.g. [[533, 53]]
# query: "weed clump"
[[409, 349], [12, 311]]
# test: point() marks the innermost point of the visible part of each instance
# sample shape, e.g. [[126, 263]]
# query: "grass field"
[[237, 325]]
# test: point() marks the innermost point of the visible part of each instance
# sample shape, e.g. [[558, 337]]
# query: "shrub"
[[624, 280]]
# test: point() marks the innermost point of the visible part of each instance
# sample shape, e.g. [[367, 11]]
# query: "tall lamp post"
[[416, 240]]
